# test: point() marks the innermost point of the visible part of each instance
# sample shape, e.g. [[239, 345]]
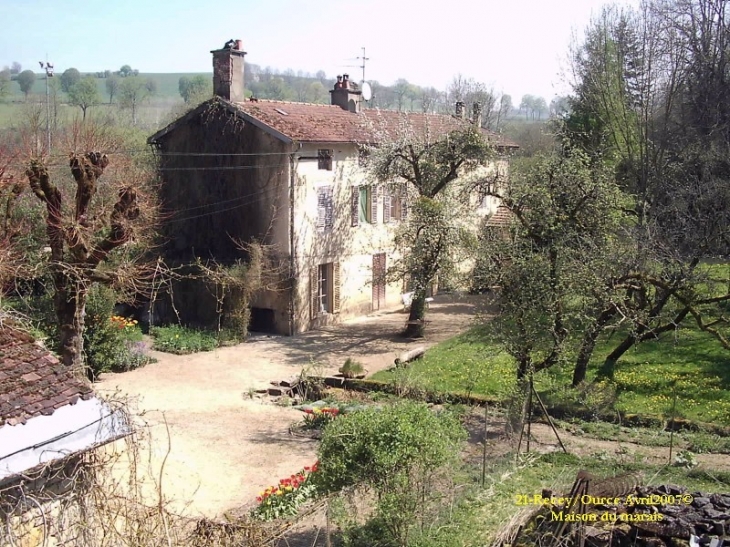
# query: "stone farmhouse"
[[289, 175]]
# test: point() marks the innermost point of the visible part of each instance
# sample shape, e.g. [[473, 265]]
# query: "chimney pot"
[[477, 116], [460, 109], [239, 45]]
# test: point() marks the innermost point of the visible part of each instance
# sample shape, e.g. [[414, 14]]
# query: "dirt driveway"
[[225, 447]]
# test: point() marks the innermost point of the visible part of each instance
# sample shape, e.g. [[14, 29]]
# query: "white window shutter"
[[374, 193]]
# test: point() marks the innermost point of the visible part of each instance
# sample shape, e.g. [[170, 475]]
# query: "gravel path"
[[226, 446]]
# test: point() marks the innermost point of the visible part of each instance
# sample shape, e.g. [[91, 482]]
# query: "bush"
[[182, 340], [352, 369], [396, 450], [111, 343]]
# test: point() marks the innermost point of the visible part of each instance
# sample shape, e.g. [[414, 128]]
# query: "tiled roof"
[[32, 381], [308, 122], [501, 218]]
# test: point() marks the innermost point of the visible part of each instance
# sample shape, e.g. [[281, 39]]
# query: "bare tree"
[[89, 243]]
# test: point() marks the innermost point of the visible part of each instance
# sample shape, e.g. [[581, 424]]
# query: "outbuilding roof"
[[32, 381]]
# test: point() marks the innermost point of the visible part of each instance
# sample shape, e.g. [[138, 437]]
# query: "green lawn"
[[691, 364]]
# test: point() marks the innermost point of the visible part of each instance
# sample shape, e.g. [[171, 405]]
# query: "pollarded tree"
[[415, 162], [89, 243], [84, 94]]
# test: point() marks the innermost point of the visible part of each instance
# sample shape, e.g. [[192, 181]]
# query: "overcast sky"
[[515, 46]]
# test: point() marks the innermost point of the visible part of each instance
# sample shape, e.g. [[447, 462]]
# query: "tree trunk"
[[416, 319], [588, 345], [609, 365], [70, 304]]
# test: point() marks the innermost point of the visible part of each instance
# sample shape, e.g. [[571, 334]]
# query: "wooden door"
[[378, 281]]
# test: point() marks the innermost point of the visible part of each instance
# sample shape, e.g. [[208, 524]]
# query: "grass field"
[[158, 111], [692, 365]]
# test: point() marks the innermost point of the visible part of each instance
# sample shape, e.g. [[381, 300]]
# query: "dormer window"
[[324, 159]]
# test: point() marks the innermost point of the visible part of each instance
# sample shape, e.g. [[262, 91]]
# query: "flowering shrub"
[[285, 498], [317, 418], [123, 323], [113, 344]]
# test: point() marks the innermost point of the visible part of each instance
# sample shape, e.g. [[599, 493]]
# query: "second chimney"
[[460, 109], [228, 72], [477, 115]]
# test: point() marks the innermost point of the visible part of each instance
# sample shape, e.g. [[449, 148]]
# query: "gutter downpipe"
[[292, 248]]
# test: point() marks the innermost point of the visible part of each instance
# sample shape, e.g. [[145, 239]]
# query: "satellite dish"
[[367, 92]]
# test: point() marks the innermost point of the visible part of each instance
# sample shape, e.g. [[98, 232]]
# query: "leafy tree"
[[4, 83], [651, 102], [563, 246], [426, 167], [84, 94], [194, 90], [15, 68], [125, 71], [134, 91], [112, 86], [527, 104], [26, 79], [69, 78]]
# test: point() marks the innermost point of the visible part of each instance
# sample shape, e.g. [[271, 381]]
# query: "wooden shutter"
[[374, 193], [321, 208], [313, 286], [328, 208], [336, 287], [387, 200], [404, 205], [355, 206]]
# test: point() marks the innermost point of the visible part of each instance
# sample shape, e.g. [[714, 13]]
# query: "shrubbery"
[[182, 340], [112, 343], [398, 451]]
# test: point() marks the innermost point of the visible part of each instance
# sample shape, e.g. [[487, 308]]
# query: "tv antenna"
[[362, 66]]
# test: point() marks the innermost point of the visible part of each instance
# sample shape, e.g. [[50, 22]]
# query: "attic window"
[[324, 159], [280, 111]]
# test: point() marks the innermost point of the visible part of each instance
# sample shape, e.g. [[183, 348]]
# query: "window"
[[325, 286], [363, 208], [324, 296], [325, 208], [394, 205], [324, 159]]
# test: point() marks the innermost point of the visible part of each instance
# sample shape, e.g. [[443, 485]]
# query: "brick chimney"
[[346, 94], [460, 110], [477, 115], [228, 71]]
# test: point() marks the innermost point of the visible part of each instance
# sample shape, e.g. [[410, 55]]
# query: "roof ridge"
[[277, 101]]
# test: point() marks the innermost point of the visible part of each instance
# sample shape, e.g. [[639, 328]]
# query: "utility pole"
[[362, 66], [48, 67]]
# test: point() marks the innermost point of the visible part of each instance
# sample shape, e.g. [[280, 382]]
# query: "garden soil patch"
[[226, 445]]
